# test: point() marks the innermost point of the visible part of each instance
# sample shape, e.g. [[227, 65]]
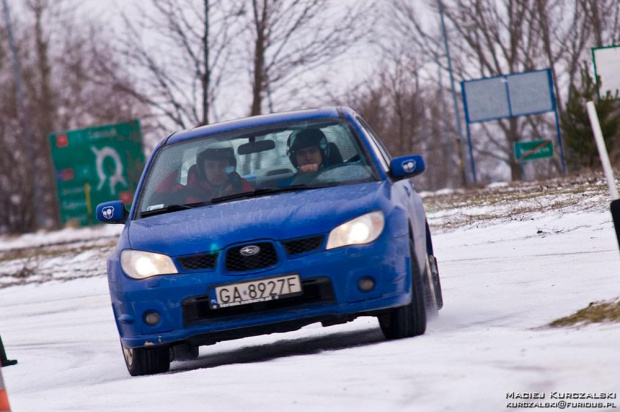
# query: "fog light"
[[366, 284], [152, 318]]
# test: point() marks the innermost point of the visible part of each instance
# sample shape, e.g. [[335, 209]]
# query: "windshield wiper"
[[170, 208], [263, 192]]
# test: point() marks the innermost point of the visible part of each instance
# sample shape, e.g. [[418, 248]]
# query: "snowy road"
[[502, 283]]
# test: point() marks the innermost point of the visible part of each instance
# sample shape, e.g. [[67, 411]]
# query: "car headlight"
[[141, 265], [359, 231]]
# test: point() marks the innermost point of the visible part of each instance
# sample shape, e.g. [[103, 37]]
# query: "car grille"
[[199, 261], [235, 262], [315, 290], [299, 246], [266, 257]]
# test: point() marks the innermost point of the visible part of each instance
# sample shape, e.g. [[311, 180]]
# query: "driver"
[[216, 176], [308, 150]]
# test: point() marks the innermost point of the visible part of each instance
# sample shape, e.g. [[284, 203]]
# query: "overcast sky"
[[235, 101]]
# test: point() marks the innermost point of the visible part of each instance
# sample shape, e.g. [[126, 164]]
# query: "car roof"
[[257, 121]]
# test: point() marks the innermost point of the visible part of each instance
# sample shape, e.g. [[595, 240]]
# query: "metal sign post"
[[472, 163], [454, 96]]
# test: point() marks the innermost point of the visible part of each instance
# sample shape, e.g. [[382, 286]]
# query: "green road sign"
[[95, 165], [536, 149]]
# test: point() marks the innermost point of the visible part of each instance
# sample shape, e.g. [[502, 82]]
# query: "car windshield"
[[254, 162]]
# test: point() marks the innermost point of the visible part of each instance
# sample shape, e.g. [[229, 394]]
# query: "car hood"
[[282, 216]]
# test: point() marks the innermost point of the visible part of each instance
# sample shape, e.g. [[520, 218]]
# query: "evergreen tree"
[[581, 151]]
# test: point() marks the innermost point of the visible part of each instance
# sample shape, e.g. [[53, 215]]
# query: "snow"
[[67, 235], [504, 279], [496, 185]]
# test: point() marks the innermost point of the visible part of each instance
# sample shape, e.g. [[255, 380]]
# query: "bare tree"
[[407, 117], [603, 16], [488, 38], [409, 39], [84, 94], [42, 110], [56, 54], [181, 70], [492, 37], [18, 158], [293, 37], [568, 29]]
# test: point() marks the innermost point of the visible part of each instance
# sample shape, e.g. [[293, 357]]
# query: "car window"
[[255, 161], [380, 150]]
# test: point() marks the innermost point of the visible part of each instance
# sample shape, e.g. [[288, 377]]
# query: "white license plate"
[[255, 291]]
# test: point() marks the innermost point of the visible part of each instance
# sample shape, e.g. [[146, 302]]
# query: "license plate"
[[255, 291]]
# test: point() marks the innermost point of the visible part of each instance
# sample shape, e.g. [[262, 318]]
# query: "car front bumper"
[[331, 295]]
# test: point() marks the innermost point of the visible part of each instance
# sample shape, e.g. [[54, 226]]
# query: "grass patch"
[[51, 251], [516, 201], [596, 312], [32, 265]]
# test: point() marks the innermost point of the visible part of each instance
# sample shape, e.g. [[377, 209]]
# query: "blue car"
[[264, 225]]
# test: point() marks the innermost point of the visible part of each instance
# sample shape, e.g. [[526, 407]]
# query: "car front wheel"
[[409, 320], [147, 361]]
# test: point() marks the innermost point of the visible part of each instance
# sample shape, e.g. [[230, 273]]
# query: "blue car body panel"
[[215, 226], [182, 299]]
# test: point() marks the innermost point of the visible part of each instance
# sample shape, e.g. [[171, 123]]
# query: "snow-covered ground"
[[508, 269]]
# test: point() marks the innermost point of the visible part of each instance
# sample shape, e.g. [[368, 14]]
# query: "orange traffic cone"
[[4, 398]]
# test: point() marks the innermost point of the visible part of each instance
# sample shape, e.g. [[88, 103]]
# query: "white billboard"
[[607, 68], [511, 95]]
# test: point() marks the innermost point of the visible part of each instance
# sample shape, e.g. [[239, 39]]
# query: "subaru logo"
[[108, 212], [250, 250], [408, 165]]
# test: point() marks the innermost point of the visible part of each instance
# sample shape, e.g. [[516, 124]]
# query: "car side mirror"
[[407, 166], [112, 212]]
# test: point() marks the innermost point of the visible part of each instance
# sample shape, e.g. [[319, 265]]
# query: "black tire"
[[147, 361], [185, 352], [409, 320]]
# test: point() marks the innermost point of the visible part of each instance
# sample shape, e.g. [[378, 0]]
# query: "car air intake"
[[251, 257], [199, 261], [299, 246]]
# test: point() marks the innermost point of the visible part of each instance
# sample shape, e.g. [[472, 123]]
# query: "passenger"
[[216, 176]]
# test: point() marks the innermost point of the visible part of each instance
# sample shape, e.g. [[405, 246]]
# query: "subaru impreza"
[[268, 224]]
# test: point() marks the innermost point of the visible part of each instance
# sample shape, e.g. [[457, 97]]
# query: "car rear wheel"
[[147, 361], [409, 320]]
